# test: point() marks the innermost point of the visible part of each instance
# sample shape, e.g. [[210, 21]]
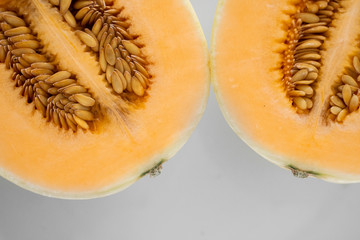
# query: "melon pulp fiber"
[[312, 129], [124, 133]]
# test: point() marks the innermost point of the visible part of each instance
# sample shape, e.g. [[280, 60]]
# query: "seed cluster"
[[102, 29], [302, 56], [55, 93], [346, 99]]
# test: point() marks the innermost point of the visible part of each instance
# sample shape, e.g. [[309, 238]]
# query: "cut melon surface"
[[257, 47], [129, 133]]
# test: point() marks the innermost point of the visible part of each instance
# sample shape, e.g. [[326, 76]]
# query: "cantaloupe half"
[[96, 94], [286, 75]]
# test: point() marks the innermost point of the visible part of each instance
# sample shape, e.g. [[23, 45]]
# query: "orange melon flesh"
[[248, 39], [57, 163]]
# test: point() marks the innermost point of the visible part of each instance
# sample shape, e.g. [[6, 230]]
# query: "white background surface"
[[214, 188]]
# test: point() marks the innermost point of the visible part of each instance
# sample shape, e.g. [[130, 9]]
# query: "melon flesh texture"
[[247, 55], [126, 145]]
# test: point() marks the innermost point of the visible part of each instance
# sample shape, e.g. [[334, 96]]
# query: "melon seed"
[[337, 101], [300, 103], [84, 100], [17, 31], [347, 93], [354, 103], [131, 47], [308, 17], [84, 115], [87, 39], [117, 83], [61, 75], [14, 20], [81, 122], [64, 6], [70, 19], [341, 116], [110, 55], [335, 110], [346, 79], [300, 75], [356, 64]]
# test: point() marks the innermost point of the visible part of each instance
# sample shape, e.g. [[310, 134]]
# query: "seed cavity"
[[101, 28], [345, 99], [88, 39], [302, 58], [55, 93]]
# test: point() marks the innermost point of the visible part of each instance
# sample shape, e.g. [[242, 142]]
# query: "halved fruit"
[[286, 75], [96, 94]]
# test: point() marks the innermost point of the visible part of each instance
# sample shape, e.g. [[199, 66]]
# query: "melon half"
[[97, 94], [286, 75]]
